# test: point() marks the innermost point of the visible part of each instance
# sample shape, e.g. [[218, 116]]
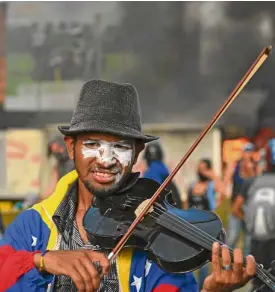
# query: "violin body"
[[159, 234]]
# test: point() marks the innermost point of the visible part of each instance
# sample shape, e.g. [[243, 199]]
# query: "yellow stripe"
[[53, 201], [47, 208], [124, 261], [48, 221]]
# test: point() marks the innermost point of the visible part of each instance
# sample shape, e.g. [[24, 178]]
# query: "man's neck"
[[84, 203], [84, 197]]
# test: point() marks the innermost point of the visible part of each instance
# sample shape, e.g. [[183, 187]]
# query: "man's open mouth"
[[104, 176]]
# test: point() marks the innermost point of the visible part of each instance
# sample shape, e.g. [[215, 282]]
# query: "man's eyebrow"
[[91, 139], [130, 142], [124, 142]]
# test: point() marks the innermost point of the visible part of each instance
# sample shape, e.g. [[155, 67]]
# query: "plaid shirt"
[[64, 219]]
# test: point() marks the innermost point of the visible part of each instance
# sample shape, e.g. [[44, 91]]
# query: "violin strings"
[[263, 276], [207, 238], [201, 233]]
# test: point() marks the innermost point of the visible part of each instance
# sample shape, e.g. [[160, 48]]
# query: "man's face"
[[103, 161]]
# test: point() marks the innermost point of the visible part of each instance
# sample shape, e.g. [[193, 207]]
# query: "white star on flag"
[[34, 241], [147, 267], [137, 283]]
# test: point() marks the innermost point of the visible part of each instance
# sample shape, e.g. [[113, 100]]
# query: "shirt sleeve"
[[21, 240], [150, 173]]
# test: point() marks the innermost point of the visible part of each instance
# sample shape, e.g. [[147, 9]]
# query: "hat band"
[[89, 125]]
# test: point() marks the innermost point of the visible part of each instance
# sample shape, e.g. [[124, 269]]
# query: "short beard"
[[105, 193]]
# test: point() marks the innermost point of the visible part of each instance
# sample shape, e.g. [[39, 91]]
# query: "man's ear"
[[70, 144], [139, 147]]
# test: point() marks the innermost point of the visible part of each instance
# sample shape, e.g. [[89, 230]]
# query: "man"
[[157, 170], [255, 204], [202, 193], [104, 140], [246, 167]]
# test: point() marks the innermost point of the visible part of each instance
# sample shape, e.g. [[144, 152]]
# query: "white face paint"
[[109, 152]]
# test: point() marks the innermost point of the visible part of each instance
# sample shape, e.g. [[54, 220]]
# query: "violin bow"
[[235, 92]]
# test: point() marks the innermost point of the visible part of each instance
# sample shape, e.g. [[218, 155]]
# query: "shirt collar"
[[66, 211]]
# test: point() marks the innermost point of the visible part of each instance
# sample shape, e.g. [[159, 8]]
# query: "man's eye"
[[123, 147], [92, 144]]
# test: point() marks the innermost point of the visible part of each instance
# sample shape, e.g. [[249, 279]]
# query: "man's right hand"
[[77, 264]]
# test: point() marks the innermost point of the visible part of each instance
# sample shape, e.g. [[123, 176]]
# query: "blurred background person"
[[30, 200], [158, 171], [202, 195], [262, 149], [237, 173], [57, 148], [63, 164], [255, 206]]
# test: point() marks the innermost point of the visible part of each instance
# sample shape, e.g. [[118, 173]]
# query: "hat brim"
[[65, 130]]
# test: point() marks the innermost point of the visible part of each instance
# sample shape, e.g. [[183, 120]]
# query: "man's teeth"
[[104, 174]]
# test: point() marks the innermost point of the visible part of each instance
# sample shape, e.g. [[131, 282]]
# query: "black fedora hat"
[[107, 107]]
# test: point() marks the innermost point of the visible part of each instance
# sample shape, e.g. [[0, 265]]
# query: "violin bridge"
[[141, 207]]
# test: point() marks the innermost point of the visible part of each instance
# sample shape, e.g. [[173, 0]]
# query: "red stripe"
[[13, 264], [166, 288], [5, 251]]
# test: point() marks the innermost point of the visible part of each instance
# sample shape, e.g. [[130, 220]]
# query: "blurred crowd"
[[249, 182]]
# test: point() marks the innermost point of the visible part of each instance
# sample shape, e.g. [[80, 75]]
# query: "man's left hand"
[[228, 276]]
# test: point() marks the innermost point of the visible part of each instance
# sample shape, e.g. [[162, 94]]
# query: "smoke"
[[183, 57]]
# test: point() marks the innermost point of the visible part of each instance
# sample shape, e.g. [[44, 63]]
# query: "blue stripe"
[[156, 276]]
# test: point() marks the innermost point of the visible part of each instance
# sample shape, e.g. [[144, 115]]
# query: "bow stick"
[[235, 92]]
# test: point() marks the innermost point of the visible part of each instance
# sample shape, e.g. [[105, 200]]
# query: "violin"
[[144, 216], [179, 241]]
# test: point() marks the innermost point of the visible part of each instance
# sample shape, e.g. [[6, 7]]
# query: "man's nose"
[[107, 163]]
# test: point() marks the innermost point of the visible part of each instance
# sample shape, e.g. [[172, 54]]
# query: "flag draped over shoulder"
[[13, 264]]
